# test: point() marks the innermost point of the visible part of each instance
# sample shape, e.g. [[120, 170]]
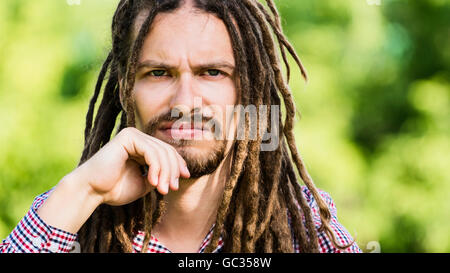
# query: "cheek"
[[221, 94], [149, 103], [221, 105]]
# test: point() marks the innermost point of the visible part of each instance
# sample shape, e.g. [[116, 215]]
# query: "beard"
[[202, 157], [204, 164]]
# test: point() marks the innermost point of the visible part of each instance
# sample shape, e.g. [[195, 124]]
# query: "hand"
[[114, 172]]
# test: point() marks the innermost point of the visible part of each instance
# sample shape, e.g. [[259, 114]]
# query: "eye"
[[157, 73], [213, 72]]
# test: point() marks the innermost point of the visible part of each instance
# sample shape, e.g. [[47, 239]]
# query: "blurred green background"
[[375, 122]]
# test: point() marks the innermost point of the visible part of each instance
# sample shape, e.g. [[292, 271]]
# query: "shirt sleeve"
[[33, 235], [343, 237]]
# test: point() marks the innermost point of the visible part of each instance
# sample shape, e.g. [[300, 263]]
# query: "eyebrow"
[[203, 66]]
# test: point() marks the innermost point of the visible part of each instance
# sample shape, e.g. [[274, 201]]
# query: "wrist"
[[69, 205], [75, 183]]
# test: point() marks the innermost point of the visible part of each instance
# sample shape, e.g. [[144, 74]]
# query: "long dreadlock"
[[263, 186]]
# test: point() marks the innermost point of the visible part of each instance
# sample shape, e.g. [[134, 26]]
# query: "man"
[[183, 174]]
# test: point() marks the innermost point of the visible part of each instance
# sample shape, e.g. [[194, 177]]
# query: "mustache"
[[193, 117]]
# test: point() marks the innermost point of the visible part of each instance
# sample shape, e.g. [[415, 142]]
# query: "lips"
[[183, 130], [182, 126]]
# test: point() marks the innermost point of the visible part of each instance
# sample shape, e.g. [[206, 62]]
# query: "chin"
[[194, 151], [197, 150], [203, 157]]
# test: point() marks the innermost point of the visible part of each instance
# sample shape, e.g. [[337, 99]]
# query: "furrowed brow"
[[204, 66], [152, 63], [219, 65]]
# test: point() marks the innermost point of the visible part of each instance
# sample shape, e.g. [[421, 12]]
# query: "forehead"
[[186, 33]]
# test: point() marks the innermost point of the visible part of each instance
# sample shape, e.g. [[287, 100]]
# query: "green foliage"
[[375, 122], [375, 115]]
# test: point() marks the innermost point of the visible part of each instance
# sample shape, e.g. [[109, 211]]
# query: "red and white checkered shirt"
[[33, 235]]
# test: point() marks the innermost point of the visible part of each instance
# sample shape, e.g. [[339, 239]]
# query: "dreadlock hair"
[[263, 188]]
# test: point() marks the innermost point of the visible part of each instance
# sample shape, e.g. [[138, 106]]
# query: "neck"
[[191, 211]]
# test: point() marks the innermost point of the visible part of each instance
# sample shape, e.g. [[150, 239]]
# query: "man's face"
[[186, 67]]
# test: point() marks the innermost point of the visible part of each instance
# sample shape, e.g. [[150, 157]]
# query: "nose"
[[185, 96]]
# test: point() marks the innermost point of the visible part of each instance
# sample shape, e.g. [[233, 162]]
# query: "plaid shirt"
[[33, 235]]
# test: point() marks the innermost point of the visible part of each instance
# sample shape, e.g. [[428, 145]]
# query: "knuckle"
[[125, 132], [131, 130], [156, 167], [171, 149]]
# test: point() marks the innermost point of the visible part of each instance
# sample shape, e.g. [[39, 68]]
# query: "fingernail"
[[155, 181], [186, 169], [177, 182]]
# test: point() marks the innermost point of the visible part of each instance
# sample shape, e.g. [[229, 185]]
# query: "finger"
[[139, 150], [164, 173], [184, 171], [160, 173], [175, 168], [153, 163], [154, 171]]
